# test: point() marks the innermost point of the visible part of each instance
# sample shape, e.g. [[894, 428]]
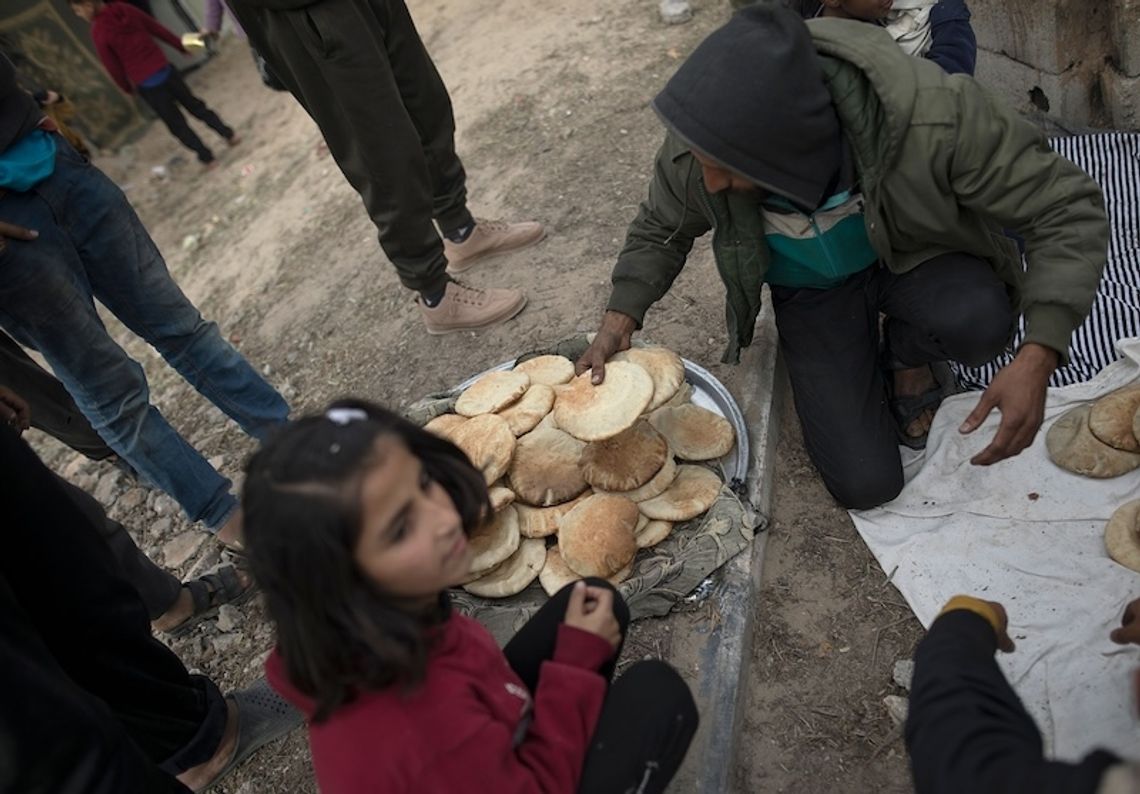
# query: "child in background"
[[356, 523], [938, 30], [124, 38]]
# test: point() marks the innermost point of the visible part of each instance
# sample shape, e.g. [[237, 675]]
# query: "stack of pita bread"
[[1100, 440], [593, 468]]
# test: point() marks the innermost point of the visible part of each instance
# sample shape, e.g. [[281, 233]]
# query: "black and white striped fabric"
[[1113, 160]]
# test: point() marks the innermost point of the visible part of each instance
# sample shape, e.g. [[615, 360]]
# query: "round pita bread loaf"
[[495, 540], [692, 493], [655, 487], [513, 574], [548, 370], [653, 533], [627, 461], [542, 522], [594, 413], [488, 441], [1112, 416], [555, 573], [544, 470], [596, 537], [500, 496], [1073, 447], [684, 396], [492, 392], [444, 424], [524, 415], [694, 433], [663, 365], [1122, 535]]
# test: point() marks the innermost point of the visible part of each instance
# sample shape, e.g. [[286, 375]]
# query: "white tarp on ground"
[[1030, 535]]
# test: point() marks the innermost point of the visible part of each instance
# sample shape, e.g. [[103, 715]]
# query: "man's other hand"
[[1018, 391]]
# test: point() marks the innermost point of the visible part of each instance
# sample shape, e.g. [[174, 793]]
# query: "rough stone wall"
[[1075, 61]]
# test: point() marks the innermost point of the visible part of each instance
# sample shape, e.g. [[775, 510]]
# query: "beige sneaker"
[[490, 238], [465, 308]]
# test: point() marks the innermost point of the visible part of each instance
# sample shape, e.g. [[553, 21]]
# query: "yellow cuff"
[[975, 605]]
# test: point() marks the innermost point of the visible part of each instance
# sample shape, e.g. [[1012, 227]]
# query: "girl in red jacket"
[[356, 523], [124, 38]]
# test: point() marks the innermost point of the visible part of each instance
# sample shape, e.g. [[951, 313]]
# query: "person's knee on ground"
[[864, 487]]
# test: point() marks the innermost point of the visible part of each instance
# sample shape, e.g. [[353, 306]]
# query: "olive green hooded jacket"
[[942, 166]]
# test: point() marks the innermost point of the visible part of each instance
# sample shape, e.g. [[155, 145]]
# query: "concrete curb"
[[723, 658]]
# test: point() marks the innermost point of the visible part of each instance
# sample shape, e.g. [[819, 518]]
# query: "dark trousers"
[[90, 702], [950, 308], [53, 410], [647, 720], [157, 587], [361, 71], [165, 98]]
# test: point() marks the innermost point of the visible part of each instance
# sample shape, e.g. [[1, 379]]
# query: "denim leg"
[[46, 303], [128, 276]]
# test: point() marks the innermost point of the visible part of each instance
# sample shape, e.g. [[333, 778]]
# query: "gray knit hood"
[[752, 97]]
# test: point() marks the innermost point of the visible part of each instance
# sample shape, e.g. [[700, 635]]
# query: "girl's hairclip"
[[342, 416]]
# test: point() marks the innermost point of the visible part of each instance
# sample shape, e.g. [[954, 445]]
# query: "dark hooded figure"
[[857, 181]]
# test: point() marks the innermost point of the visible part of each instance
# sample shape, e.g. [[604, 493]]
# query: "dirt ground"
[[551, 102]]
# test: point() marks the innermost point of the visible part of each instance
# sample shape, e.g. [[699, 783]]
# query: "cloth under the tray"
[[662, 575], [1030, 535]]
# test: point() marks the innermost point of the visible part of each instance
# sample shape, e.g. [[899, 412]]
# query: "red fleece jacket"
[[470, 725], [123, 38]]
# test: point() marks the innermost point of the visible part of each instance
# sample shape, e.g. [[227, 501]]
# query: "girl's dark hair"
[[337, 632]]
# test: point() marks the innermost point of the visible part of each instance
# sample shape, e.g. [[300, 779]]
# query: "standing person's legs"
[[829, 340], [128, 275], [182, 94], [157, 587], [53, 410], [45, 303], [951, 308], [94, 624], [163, 104], [332, 57], [428, 105]]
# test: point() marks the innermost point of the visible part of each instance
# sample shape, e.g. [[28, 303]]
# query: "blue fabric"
[[824, 260], [953, 44], [158, 78], [28, 161], [91, 245]]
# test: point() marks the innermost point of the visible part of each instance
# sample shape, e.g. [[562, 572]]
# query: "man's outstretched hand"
[[1018, 391], [614, 335], [1129, 631]]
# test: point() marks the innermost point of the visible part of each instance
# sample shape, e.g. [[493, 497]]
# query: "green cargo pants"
[[361, 71]]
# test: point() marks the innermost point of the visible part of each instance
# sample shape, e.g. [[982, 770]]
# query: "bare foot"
[[233, 140], [230, 533], [911, 383], [197, 778]]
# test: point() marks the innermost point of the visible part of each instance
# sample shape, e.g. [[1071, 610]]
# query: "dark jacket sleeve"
[[661, 236], [953, 44], [967, 731]]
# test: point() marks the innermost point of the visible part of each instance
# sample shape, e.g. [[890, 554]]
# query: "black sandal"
[[906, 410], [209, 592]]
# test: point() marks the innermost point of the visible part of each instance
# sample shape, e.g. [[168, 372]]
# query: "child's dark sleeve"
[[953, 45], [157, 29], [968, 731]]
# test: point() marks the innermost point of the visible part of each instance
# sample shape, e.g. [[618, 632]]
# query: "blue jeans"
[[92, 245]]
